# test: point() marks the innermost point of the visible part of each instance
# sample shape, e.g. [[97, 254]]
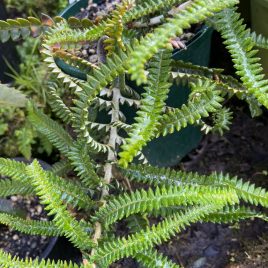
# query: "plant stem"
[[112, 156]]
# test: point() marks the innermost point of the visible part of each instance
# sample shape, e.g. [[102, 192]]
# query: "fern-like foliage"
[[147, 201], [59, 107], [61, 168], [14, 170], [74, 60], [154, 259], [114, 28], [149, 7], [189, 68], [260, 40], [67, 37], [49, 128], [161, 232], [90, 188], [228, 85], [10, 187], [195, 12], [83, 165], [221, 122], [20, 28], [232, 214], [114, 66], [240, 45], [32, 227], [228, 215], [151, 107], [205, 99], [160, 176], [62, 33], [70, 192], [52, 200], [8, 261]]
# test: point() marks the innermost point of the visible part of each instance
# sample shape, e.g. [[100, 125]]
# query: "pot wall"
[[169, 150], [259, 20], [7, 51]]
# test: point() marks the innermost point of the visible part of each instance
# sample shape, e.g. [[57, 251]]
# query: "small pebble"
[[93, 58], [200, 263], [212, 251], [15, 237], [33, 244], [14, 198], [39, 209], [84, 52], [91, 51]]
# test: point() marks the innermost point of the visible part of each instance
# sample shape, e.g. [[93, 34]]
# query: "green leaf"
[[144, 240], [7, 261], [241, 44], [195, 12], [51, 198], [154, 259], [142, 201], [10, 96], [32, 227], [152, 105], [161, 176]]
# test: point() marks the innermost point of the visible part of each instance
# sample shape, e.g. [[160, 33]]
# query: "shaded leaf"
[[10, 96]]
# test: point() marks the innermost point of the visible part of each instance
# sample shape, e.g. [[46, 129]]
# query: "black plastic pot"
[[64, 250], [169, 150], [7, 52]]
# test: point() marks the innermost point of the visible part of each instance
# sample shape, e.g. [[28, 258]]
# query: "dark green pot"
[[169, 150], [7, 52]]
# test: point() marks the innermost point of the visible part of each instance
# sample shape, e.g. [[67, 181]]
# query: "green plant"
[[30, 6], [105, 156], [11, 103], [18, 137], [31, 79]]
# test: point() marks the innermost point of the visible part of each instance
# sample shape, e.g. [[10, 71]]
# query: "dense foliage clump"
[[107, 158]]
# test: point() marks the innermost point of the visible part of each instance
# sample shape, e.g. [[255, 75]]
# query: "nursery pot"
[[259, 20], [7, 51], [169, 150]]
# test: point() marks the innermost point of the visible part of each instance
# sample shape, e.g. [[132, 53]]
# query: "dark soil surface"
[[96, 12], [243, 151], [19, 244]]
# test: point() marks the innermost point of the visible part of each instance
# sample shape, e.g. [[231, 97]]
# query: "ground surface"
[[17, 243], [242, 151]]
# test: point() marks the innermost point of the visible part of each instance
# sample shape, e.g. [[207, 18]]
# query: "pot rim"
[[75, 72]]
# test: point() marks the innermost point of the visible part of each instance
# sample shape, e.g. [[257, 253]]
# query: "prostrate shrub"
[[107, 157]]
